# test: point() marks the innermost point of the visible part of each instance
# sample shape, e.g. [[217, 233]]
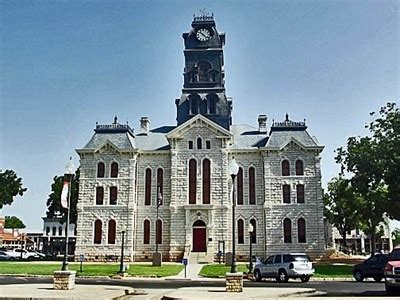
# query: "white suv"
[[22, 254], [285, 266]]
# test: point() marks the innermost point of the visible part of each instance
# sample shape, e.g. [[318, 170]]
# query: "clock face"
[[203, 34]]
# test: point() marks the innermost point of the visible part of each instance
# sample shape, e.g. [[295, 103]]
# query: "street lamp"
[[250, 229], [121, 265], [66, 194], [159, 201], [233, 170]]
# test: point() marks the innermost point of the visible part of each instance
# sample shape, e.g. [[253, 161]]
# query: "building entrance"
[[199, 237]]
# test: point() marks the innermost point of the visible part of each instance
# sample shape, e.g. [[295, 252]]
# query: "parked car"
[[22, 254], [285, 266], [4, 256], [392, 272], [371, 268]]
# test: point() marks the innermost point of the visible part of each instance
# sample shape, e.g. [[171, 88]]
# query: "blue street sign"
[[185, 261], [81, 257]]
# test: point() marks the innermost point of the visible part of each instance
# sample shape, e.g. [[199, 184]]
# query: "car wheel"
[[257, 275], [282, 276], [358, 275], [305, 278], [377, 278]]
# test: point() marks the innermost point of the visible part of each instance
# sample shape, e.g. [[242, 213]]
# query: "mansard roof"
[[122, 141], [246, 137]]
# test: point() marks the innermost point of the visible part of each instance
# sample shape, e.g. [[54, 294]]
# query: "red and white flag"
[[64, 195]]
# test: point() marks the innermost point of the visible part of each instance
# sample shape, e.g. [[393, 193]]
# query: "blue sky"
[[66, 65]]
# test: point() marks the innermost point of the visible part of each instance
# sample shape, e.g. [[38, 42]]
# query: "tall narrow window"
[[285, 168], [159, 232], [47, 230], [194, 105], [98, 232], [99, 195], [252, 186], [111, 231], [146, 232], [192, 181], [113, 195], [160, 183], [212, 104], [60, 231], [114, 170], [286, 193], [254, 233], [300, 193], [147, 191], [190, 144], [239, 184], [100, 170], [301, 230], [240, 228], [299, 167], [203, 71], [206, 181], [208, 144], [287, 231], [199, 143], [54, 231]]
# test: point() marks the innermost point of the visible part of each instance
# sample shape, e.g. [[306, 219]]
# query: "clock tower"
[[204, 87]]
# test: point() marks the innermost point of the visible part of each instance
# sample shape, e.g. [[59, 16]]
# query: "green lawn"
[[89, 269], [215, 270]]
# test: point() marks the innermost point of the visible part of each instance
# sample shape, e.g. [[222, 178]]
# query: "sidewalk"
[[192, 273]]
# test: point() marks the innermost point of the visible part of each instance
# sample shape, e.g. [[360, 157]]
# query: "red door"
[[199, 239]]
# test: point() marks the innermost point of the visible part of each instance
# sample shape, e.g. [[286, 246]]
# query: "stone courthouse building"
[[180, 174]]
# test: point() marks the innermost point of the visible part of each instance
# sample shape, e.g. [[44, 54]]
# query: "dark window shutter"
[[147, 192], [114, 170], [192, 181], [301, 230], [299, 167], [99, 195], [285, 168], [100, 170], [113, 195], [146, 232], [240, 228], [239, 179], [287, 231], [206, 181], [300, 193], [252, 186], [111, 231], [97, 232], [286, 193]]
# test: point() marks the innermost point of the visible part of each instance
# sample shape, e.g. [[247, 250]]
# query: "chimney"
[[262, 123], [144, 125]]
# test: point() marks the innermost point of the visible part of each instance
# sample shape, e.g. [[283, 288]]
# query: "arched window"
[[54, 231], [239, 184], [206, 181], [300, 193], [147, 191], [159, 232], [112, 227], [113, 195], [301, 230], [160, 180], [100, 170], [60, 231], [285, 168], [253, 235], [47, 230], [194, 103], [192, 181], [287, 231], [212, 104], [199, 143], [252, 185], [97, 231], [114, 170], [203, 67], [286, 193], [99, 195], [240, 228], [299, 167], [146, 232]]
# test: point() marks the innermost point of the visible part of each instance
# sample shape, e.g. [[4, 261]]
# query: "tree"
[[341, 206], [10, 186], [13, 222], [54, 200], [396, 237]]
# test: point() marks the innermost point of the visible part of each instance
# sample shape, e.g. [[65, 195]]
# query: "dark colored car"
[[392, 272], [372, 267], [4, 256]]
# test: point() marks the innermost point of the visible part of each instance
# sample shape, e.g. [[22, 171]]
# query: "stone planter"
[[64, 280], [234, 282]]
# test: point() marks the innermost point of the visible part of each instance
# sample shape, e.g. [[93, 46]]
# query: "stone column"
[[64, 280]]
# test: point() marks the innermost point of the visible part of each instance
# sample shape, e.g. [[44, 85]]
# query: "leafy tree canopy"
[[10, 186], [13, 222]]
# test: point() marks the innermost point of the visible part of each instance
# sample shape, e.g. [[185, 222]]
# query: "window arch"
[[113, 195], [285, 168], [192, 181], [252, 185], [112, 228], [240, 228], [159, 232], [99, 195], [301, 230], [160, 183], [146, 232], [299, 167], [199, 143], [147, 189], [300, 193], [98, 231], [239, 184], [100, 169], [287, 231], [114, 169], [206, 181], [253, 235], [286, 193]]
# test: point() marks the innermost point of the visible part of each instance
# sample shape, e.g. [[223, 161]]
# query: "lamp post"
[[250, 229], [68, 176], [159, 201], [121, 264], [233, 169]]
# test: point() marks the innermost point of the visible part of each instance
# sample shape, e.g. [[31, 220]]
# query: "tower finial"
[[115, 119], [287, 117]]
